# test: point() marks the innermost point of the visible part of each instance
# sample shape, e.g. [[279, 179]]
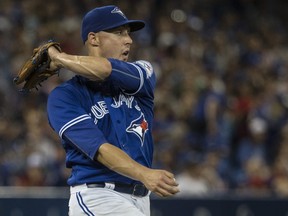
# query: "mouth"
[[125, 55]]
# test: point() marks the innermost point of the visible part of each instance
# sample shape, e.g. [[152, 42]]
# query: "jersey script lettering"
[[99, 110], [128, 100]]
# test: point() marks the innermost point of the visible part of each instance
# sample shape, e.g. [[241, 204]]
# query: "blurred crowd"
[[221, 102]]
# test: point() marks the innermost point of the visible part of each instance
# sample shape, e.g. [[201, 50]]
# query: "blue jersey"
[[118, 111]]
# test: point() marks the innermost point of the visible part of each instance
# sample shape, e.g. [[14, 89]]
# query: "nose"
[[128, 39]]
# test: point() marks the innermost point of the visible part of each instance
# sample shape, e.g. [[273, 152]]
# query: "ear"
[[93, 39]]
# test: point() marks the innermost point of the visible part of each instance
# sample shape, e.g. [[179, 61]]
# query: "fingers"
[[170, 179], [166, 191], [161, 182], [168, 186]]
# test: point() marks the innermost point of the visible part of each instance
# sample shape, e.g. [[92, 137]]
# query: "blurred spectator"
[[280, 167], [191, 180], [254, 143]]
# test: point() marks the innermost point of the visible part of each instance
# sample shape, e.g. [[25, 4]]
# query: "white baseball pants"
[[103, 201]]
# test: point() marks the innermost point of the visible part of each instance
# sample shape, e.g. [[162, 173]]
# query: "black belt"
[[138, 190]]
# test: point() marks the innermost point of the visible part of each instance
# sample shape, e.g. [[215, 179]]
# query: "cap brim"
[[134, 25]]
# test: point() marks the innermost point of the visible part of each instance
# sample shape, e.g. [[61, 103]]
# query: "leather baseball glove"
[[36, 69]]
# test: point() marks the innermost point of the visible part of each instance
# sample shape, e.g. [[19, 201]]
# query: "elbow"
[[105, 75], [100, 72], [106, 70]]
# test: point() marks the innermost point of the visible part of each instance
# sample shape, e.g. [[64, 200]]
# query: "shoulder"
[[139, 65], [68, 89]]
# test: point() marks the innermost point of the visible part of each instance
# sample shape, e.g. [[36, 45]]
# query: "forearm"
[[160, 182], [118, 161], [91, 67]]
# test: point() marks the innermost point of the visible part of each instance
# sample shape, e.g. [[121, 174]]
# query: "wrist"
[[55, 57], [141, 173]]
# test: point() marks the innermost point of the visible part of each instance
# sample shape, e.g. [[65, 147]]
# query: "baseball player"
[[104, 117]]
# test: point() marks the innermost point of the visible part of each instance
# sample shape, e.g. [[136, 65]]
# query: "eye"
[[123, 32], [118, 32]]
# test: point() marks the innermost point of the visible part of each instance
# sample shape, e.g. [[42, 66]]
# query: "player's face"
[[115, 43]]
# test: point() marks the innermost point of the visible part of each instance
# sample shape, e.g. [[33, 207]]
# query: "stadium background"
[[221, 105]]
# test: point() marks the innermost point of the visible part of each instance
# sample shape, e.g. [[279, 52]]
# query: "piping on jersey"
[[140, 74], [73, 122]]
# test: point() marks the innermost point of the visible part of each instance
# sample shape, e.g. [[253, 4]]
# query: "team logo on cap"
[[118, 11], [139, 127]]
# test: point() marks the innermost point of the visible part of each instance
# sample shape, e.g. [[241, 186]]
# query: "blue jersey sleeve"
[[68, 117], [137, 78]]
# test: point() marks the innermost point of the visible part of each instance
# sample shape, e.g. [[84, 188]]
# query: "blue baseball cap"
[[105, 18]]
